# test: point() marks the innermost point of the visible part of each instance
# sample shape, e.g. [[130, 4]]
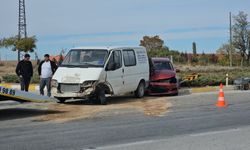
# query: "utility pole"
[[231, 46], [22, 33]]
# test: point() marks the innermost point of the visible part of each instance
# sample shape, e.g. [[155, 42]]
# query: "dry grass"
[[210, 68], [8, 67], [204, 89]]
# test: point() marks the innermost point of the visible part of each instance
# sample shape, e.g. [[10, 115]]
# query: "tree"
[[241, 36], [24, 44], [224, 54], [224, 49], [194, 58], [186, 56], [203, 59], [152, 42], [181, 58], [213, 59], [8, 42], [194, 48]]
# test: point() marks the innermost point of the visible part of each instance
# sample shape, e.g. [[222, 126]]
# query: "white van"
[[92, 72]]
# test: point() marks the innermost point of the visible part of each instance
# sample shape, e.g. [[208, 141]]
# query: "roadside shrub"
[[213, 77], [15, 79], [11, 78], [35, 78], [205, 81]]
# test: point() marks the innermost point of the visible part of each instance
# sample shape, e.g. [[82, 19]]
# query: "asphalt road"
[[192, 123]]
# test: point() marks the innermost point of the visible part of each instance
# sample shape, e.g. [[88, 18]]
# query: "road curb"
[[211, 89], [32, 87]]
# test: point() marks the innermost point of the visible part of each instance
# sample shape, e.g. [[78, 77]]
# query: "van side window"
[[115, 58], [129, 58], [118, 58]]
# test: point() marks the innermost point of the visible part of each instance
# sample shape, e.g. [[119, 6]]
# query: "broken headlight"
[[87, 84], [54, 83]]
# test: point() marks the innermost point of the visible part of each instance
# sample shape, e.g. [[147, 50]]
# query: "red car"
[[163, 80]]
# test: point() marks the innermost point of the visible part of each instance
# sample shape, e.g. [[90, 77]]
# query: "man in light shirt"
[[46, 69]]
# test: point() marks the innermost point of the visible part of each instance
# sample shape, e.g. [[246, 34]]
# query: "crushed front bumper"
[[81, 94], [160, 88]]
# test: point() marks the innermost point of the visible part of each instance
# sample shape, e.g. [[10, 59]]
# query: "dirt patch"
[[149, 106]]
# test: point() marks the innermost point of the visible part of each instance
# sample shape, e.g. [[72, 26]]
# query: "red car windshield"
[[162, 65]]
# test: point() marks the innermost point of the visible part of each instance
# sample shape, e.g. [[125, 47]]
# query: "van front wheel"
[[100, 95], [61, 100], [140, 90]]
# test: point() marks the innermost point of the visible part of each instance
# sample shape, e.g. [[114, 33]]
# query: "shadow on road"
[[111, 100], [17, 113], [125, 99]]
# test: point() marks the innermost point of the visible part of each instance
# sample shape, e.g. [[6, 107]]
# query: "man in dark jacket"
[[45, 70], [24, 70]]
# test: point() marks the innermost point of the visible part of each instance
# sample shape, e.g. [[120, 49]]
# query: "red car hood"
[[162, 74]]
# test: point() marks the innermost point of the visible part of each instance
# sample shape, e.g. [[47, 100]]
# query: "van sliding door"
[[131, 74]]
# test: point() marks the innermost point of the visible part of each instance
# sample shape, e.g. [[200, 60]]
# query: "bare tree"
[[241, 36]]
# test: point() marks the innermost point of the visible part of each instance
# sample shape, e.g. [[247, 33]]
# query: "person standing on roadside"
[[24, 71], [46, 69]]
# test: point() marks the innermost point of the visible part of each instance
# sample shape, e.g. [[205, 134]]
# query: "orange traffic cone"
[[221, 100]]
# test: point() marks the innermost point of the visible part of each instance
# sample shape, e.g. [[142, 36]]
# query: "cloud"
[[196, 35]]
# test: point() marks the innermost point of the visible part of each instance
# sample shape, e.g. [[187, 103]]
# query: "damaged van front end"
[[72, 90], [79, 75], [70, 83]]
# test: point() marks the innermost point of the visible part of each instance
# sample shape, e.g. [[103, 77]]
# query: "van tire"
[[175, 94], [140, 91], [61, 100], [246, 87], [100, 95]]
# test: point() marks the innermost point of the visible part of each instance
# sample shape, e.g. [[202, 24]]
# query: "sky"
[[63, 24]]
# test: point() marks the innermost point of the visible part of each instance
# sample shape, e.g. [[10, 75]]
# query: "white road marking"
[[215, 132], [163, 140], [125, 145]]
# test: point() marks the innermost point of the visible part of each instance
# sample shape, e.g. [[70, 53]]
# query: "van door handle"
[[122, 70]]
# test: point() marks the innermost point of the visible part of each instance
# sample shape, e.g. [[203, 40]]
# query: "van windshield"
[[85, 58]]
